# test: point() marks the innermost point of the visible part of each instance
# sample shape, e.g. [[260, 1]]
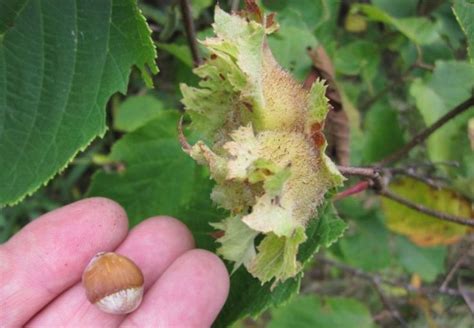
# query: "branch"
[[453, 270], [467, 296], [419, 138], [387, 303], [367, 172], [419, 60], [378, 182], [410, 172], [420, 208], [410, 288], [190, 31]]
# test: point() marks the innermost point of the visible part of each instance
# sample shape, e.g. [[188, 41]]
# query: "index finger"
[[48, 255]]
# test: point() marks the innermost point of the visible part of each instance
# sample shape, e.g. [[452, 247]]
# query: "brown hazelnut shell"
[[108, 273]]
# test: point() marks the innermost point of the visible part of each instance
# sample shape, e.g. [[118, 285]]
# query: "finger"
[[49, 254], [153, 245], [189, 294]]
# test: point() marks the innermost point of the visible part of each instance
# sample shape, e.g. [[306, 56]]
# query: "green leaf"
[[358, 57], [237, 242], [366, 245], [449, 29], [418, 29], [198, 6], [449, 85], [428, 263], [158, 179], [464, 11], [277, 257], [60, 61], [313, 13], [399, 8], [313, 311], [249, 298], [180, 51], [303, 23], [290, 43], [136, 111], [329, 229], [153, 13], [382, 132], [9, 10]]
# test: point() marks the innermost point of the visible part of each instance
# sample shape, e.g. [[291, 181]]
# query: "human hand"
[[41, 268]]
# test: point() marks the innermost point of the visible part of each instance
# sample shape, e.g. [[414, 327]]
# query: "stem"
[[419, 138], [309, 80], [451, 273], [386, 302], [355, 189], [182, 139], [420, 208], [190, 31], [410, 172], [367, 172]]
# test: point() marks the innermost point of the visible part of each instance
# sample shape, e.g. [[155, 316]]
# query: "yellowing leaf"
[[355, 23], [422, 229]]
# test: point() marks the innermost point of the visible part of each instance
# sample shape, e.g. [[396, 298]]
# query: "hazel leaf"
[[423, 229], [277, 257], [237, 241]]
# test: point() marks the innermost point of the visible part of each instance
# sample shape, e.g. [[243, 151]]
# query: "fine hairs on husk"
[[263, 145]]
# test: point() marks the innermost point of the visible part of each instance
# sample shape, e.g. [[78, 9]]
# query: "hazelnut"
[[113, 283]]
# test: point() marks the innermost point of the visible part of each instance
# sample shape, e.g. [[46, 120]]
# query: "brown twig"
[[187, 16], [419, 60], [422, 136], [368, 172], [379, 178], [410, 172], [466, 295], [386, 302], [451, 272], [420, 208], [182, 139], [365, 275]]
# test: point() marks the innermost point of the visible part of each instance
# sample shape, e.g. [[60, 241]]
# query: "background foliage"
[[399, 66]]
